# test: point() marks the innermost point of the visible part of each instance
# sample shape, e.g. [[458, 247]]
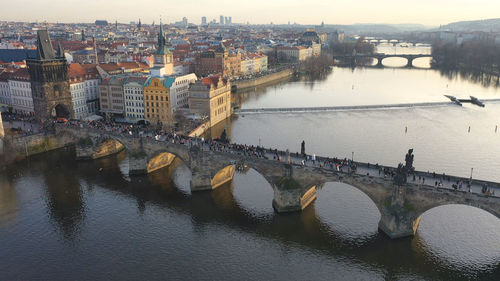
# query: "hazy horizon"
[[425, 12]]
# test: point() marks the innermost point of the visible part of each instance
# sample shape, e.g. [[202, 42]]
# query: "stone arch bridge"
[[381, 56], [294, 186]]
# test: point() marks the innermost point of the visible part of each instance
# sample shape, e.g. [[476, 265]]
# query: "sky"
[[426, 12]]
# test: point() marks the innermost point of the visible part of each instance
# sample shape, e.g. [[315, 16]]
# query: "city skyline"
[[260, 12]]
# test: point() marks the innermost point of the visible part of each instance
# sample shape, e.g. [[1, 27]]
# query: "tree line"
[[479, 56]]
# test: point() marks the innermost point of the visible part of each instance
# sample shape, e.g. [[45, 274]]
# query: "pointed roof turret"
[[44, 45], [60, 51]]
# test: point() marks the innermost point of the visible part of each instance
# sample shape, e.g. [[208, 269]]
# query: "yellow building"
[[211, 97], [157, 102]]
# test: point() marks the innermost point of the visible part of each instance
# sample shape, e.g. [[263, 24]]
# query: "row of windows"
[[153, 98], [136, 104], [134, 98], [220, 111], [21, 102], [131, 115], [137, 92], [82, 109], [20, 84], [78, 103], [135, 110], [21, 93], [78, 94]]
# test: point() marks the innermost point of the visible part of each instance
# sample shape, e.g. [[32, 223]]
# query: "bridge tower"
[[49, 80]]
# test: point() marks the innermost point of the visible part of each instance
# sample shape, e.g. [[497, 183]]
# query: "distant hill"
[[476, 25]]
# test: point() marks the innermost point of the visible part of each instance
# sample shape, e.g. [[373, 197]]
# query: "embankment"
[[259, 81]]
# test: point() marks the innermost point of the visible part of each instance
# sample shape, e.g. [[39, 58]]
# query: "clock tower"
[[163, 58]]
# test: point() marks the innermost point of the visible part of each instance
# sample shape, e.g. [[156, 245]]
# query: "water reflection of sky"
[[368, 86]]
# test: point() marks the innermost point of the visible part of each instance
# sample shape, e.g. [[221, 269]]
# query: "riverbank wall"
[[18, 148], [259, 81]]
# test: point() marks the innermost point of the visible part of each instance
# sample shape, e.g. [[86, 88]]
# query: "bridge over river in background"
[[380, 57]]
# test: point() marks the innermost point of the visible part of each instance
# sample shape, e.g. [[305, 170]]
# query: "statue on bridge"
[[303, 148], [402, 172], [409, 160]]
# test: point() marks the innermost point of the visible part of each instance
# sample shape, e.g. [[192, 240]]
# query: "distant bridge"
[[380, 57]]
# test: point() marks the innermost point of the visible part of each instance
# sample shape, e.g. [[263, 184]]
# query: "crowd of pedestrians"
[[339, 165]]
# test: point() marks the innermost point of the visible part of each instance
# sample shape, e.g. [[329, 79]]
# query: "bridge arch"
[[163, 158], [378, 195], [347, 211], [381, 59], [493, 210], [107, 146]]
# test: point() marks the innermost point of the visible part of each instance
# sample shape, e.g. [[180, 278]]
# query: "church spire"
[[161, 36]]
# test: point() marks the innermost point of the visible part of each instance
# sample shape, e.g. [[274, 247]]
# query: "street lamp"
[[352, 156]]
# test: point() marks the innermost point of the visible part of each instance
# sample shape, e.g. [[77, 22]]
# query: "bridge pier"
[[379, 62], [138, 162], [398, 224], [205, 180], [410, 62], [288, 198], [399, 218], [294, 190]]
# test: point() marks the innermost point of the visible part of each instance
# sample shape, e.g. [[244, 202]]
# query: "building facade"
[[49, 80], [210, 98], [111, 97], [211, 62], [76, 75], [157, 103], [21, 94], [133, 91], [179, 92], [5, 93]]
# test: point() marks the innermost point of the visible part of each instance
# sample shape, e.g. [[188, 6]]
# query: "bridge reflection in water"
[[294, 186], [353, 59]]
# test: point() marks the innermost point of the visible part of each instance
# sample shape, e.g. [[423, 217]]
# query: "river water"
[[61, 219]]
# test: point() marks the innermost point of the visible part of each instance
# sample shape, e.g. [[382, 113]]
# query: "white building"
[[78, 97], [133, 91], [77, 78], [20, 89], [5, 96], [179, 92]]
